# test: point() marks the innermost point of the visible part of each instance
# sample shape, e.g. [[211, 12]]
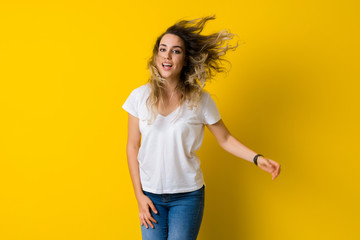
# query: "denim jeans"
[[179, 216]]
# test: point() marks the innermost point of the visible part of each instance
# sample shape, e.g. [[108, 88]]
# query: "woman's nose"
[[167, 55]]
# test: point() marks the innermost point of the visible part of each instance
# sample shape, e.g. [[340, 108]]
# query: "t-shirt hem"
[[213, 121], [182, 190]]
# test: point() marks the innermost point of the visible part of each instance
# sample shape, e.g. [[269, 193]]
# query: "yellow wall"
[[292, 94]]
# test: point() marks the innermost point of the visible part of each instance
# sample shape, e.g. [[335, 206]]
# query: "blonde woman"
[[166, 123]]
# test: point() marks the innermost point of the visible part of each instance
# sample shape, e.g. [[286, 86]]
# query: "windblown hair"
[[203, 55]]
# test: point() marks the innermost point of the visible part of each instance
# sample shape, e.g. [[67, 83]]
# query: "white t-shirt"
[[167, 159]]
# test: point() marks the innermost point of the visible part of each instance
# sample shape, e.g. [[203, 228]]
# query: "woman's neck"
[[170, 87]]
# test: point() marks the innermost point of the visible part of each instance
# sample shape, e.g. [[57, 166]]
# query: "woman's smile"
[[166, 66]]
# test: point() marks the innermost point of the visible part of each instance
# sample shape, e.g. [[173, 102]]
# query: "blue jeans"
[[179, 216]]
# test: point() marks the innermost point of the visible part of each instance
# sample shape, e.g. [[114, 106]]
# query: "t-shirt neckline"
[[165, 116]]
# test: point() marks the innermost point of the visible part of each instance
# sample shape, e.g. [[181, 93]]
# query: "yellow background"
[[292, 94]]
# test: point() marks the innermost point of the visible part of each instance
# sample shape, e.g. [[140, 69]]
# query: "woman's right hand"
[[144, 204]]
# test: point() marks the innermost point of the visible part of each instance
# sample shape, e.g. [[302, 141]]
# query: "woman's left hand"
[[269, 166]]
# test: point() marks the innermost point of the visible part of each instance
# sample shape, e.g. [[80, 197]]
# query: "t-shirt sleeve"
[[131, 104], [210, 111]]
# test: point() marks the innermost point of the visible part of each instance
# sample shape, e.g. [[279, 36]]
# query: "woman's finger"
[[277, 170], [145, 224], [149, 222], [152, 206], [142, 221], [152, 219], [274, 176]]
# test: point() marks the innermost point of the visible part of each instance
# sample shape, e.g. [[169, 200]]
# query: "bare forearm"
[[235, 147], [133, 165], [230, 144]]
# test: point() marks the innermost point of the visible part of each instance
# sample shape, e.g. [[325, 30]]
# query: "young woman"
[[166, 123]]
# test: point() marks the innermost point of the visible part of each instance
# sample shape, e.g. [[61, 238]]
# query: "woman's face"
[[170, 58]]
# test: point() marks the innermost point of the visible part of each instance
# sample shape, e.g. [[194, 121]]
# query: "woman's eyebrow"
[[173, 46]]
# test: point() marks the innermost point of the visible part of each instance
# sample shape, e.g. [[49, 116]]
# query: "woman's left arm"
[[235, 147]]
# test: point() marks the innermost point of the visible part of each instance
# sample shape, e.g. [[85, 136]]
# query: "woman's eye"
[[175, 51]]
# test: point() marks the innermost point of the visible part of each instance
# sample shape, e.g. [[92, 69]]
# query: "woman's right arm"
[[132, 150]]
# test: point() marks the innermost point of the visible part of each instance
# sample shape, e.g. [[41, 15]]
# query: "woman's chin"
[[165, 75]]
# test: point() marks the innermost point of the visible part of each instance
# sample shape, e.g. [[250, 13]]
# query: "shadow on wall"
[[271, 106]]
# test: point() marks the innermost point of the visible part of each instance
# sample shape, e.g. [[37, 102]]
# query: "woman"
[[166, 126]]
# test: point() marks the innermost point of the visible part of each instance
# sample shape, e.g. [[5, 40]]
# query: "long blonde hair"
[[203, 55]]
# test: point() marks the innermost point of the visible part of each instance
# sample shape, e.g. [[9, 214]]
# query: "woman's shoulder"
[[204, 96], [207, 98]]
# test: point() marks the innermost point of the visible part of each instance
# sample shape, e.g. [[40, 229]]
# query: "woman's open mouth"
[[167, 66]]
